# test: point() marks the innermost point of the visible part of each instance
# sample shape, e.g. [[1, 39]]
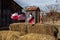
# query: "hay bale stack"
[[33, 28], [33, 36], [41, 29], [21, 27], [9, 35]]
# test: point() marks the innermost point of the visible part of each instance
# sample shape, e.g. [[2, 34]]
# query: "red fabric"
[[21, 17], [18, 17], [15, 17], [31, 20]]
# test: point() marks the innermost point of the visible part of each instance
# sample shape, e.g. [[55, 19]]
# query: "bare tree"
[[52, 9]]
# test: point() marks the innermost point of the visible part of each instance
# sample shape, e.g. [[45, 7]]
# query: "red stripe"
[[15, 17], [31, 20]]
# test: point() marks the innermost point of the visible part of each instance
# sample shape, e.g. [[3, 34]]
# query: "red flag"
[[14, 16], [30, 19], [21, 17]]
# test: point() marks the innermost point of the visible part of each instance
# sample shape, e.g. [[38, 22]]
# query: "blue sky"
[[40, 3]]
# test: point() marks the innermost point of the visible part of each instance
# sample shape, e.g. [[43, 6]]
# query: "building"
[[7, 7], [35, 13]]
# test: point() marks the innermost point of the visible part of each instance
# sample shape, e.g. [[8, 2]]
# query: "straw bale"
[[33, 36], [41, 29], [33, 28], [9, 35], [21, 27]]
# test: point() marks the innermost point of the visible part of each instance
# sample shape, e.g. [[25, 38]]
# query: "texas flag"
[[30, 18]]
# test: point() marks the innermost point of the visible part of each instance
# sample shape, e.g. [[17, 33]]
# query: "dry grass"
[[36, 28], [21, 27], [9, 35], [41, 29], [33, 36], [22, 31], [14, 35]]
